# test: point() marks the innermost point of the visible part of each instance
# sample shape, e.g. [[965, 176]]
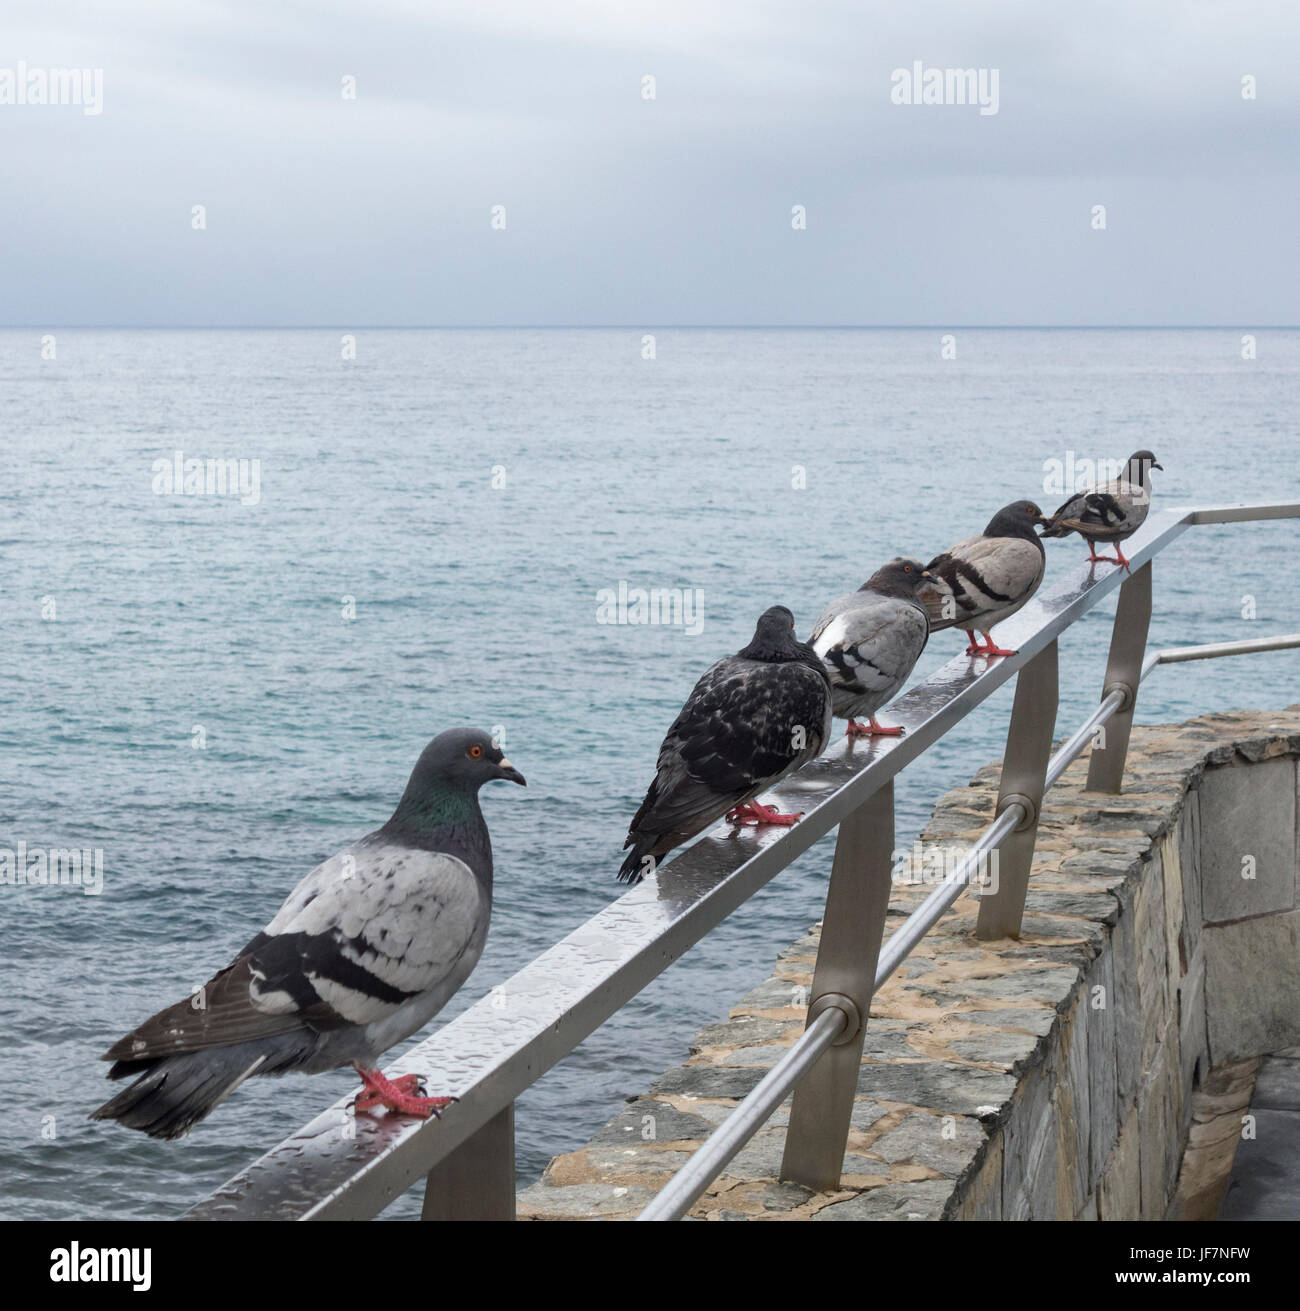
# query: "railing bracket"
[[852, 1014], [1027, 804], [1125, 690]]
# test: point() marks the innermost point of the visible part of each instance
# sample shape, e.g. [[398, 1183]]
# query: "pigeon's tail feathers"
[[940, 600], [634, 867], [641, 839], [173, 1094], [1066, 519]]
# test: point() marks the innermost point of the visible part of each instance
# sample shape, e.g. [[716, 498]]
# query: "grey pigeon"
[[870, 641], [367, 949], [1109, 512], [986, 579], [750, 720]]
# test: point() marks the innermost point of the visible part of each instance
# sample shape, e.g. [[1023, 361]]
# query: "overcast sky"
[[676, 210]]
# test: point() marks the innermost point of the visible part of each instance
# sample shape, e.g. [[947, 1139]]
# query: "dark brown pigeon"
[[751, 719]]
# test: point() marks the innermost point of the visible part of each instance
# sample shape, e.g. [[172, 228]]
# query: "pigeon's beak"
[[1156, 465], [506, 770]]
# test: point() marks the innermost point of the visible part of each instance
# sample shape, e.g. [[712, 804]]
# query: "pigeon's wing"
[[980, 576], [946, 599], [828, 617], [1116, 510], [219, 1013], [1072, 509], [376, 935], [1113, 510], [871, 648], [746, 723], [371, 927]]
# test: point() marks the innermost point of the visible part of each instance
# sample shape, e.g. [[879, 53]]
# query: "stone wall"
[[1045, 1078]]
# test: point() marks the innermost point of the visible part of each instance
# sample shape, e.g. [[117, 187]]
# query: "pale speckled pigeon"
[[986, 579], [365, 951], [1109, 512]]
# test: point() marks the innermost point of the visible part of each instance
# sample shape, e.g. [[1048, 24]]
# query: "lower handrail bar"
[[1212, 650], [929, 912], [1072, 747], [904, 939], [679, 1194]]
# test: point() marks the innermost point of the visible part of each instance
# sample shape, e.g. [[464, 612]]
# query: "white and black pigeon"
[[366, 950], [870, 641], [986, 579], [751, 719], [1109, 512]]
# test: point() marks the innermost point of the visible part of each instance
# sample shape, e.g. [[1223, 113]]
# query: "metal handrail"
[[708, 1161], [341, 1166], [747, 1119]]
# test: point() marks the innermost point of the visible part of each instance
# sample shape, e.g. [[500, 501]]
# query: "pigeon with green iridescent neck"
[[365, 951]]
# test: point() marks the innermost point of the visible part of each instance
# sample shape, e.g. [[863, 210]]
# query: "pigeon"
[[870, 641], [365, 950], [750, 720], [986, 579], [1109, 512]]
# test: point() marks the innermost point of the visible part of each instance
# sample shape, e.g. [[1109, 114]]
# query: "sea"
[[215, 686]]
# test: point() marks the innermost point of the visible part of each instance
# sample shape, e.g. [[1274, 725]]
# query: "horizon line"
[[638, 327]]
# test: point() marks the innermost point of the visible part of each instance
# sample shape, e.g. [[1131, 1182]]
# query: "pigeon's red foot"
[[872, 729], [1117, 558], [409, 1085], [752, 813], [973, 647], [401, 1095], [991, 648]]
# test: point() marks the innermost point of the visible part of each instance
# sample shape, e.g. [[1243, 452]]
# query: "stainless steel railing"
[[690, 1182], [345, 1167]]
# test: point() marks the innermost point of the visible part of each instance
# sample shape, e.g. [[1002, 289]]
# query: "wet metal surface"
[[338, 1167]]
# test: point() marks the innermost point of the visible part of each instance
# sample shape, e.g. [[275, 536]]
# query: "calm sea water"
[[178, 618]]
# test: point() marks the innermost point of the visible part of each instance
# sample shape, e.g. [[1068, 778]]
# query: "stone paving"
[[1265, 1180], [968, 1032]]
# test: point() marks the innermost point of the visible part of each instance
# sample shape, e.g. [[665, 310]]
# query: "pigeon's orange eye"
[[475, 751]]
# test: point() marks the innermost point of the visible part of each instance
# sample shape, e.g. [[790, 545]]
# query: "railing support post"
[[1128, 645], [477, 1180], [1024, 771], [857, 902]]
